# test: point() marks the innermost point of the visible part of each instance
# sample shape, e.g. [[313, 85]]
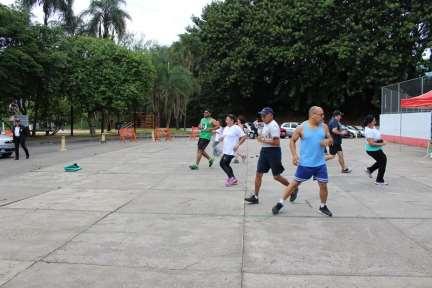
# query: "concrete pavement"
[[138, 217]]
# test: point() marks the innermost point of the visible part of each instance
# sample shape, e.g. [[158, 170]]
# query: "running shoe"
[[233, 181], [277, 208], [194, 167], [368, 173], [293, 196], [346, 171], [211, 161], [381, 183], [324, 210], [252, 199]]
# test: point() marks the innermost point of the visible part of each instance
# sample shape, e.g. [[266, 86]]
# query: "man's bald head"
[[316, 114], [314, 110]]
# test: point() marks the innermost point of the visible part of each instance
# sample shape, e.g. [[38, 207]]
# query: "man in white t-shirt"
[[233, 136], [270, 155]]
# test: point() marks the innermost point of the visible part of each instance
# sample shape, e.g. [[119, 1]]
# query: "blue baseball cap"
[[266, 110]]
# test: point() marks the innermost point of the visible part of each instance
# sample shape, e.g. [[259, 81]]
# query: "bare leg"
[[205, 154], [288, 190], [199, 156], [323, 192], [281, 180], [341, 160], [258, 181], [329, 157]]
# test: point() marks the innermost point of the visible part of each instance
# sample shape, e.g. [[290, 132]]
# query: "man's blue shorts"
[[305, 173]]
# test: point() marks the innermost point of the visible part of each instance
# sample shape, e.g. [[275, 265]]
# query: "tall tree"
[[107, 19], [49, 7]]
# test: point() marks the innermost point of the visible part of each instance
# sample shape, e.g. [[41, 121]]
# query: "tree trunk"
[[71, 119], [91, 120], [102, 121]]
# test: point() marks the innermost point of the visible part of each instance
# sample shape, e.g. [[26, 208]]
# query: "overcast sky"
[[159, 20]]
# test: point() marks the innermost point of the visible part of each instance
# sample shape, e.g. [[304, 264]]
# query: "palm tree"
[[49, 7], [107, 18]]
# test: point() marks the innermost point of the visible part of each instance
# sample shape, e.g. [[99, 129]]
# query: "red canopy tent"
[[422, 101]]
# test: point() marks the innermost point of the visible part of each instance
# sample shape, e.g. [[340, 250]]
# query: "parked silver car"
[[7, 146], [289, 127]]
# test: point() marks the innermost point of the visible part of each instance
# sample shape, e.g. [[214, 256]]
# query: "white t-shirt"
[[17, 131], [218, 134], [231, 136], [372, 133], [270, 131]]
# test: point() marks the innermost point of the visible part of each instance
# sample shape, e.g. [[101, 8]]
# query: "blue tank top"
[[311, 151]]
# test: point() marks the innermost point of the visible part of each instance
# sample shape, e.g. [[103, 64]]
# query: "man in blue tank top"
[[314, 135]]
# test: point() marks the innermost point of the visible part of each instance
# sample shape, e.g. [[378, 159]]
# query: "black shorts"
[[270, 158], [202, 144], [335, 148]]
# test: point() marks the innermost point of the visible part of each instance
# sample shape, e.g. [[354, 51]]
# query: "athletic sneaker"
[[368, 172], [277, 208], [211, 161], [293, 196], [252, 199], [194, 167], [346, 171], [324, 210], [231, 182], [381, 183]]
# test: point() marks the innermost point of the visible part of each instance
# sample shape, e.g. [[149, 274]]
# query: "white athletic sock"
[[281, 201], [322, 205]]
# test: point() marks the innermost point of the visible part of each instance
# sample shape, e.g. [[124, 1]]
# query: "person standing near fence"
[[207, 126], [233, 137], [374, 148], [19, 134]]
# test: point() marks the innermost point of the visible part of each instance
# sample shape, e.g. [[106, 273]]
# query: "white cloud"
[[158, 20]]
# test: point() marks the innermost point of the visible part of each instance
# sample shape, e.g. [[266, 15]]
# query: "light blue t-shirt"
[[311, 151]]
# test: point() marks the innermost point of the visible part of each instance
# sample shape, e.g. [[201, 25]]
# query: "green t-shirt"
[[206, 125]]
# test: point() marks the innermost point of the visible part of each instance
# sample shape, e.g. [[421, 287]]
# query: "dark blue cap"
[[266, 110]]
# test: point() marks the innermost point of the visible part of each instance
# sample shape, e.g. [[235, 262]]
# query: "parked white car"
[[352, 133], [289, 127], [6, 146]]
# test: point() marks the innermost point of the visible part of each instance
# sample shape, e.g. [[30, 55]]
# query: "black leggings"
[[380, 164], [225, 165]]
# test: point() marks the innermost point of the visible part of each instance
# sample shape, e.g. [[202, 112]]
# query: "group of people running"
[[314, 135]]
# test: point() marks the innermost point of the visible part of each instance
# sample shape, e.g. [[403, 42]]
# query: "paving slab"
[[325, 246], [54, 275], [28, 235], [312, 281], [159, 241]]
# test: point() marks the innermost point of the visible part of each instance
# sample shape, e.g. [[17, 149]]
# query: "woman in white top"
[[374, 149], [233, 136]]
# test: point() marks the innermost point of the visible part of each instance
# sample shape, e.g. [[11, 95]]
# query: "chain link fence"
[[392, 94]]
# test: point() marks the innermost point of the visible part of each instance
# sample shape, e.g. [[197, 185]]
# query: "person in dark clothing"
[[336, 148], [19, 133]]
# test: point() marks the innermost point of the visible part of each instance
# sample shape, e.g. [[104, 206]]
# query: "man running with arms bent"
[[314, 136]]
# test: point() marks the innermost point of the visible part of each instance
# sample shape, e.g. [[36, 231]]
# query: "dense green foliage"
[[295, 53]]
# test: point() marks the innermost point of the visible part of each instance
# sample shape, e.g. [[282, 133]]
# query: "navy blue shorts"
[[305, 173], [270, 158]]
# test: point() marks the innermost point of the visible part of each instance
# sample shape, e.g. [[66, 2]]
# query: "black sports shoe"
[[252, 199], [277, 208], [293, 196], [324, 210], [346, 171]]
